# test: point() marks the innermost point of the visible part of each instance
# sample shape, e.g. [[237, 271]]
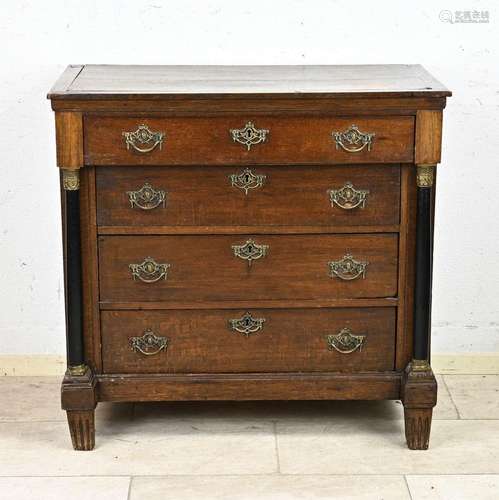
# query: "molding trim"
[[55, 365]]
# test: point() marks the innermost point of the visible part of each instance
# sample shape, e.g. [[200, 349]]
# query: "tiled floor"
[[251, 451]]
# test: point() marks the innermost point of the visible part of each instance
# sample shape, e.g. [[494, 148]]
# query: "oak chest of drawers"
[[248, 233]]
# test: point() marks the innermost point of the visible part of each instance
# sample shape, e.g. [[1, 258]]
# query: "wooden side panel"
[[87, 266], [91, 320], [288, 340], [205, 267], [406, 267], [428, 137], [69, 136]]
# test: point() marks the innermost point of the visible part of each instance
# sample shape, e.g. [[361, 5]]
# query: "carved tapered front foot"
[[419, 396], [82, 429], [79, 399], [417, 428]]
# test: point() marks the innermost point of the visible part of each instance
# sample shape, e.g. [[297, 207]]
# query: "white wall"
[[39, 39]]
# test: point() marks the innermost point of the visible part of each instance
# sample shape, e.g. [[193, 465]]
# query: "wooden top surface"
[[105, 81]]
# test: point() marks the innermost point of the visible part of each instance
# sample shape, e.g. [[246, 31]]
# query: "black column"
[[424, 246], [74, 334]]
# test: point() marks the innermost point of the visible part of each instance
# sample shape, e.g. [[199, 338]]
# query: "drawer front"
[[241, 267], [206, 196], [264, 340], [225, 140]]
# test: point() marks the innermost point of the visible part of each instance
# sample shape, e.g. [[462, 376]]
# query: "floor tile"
[[482, 487], [62, 488], [476, 396], [445, 409], [30, 398], [272, 487], [368, 446], [167, 446], [38, 399]]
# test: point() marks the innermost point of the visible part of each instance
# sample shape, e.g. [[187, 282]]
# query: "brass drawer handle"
[[247, 180], [246, 324], [347, 268], [147, 198], [149, 271], [250, 251], [348, 197], [345, 342], [148, 344], [353, 140], [249, 135], [144, 137]]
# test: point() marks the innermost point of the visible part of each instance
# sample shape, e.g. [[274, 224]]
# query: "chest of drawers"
[[248, 233]]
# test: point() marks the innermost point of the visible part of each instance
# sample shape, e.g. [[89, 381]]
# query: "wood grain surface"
[[289, 341], [207, 140], [205, 267], [205, 196], [133, 81]]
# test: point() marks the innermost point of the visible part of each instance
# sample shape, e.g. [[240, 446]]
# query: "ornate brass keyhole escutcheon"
[[250, 251], [249, 135], [246, 324], [247, 180]]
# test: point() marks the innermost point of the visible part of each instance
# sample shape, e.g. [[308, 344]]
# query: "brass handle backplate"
[[345, 342], [249, 135], [246, 324], [247, 180], [348, 197], [353, 140], [143, 140], [250, 251], [147, 198], [148, 344], [347, 268], [149, 271]]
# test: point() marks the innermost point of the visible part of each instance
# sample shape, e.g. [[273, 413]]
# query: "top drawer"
[[247, 140]]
